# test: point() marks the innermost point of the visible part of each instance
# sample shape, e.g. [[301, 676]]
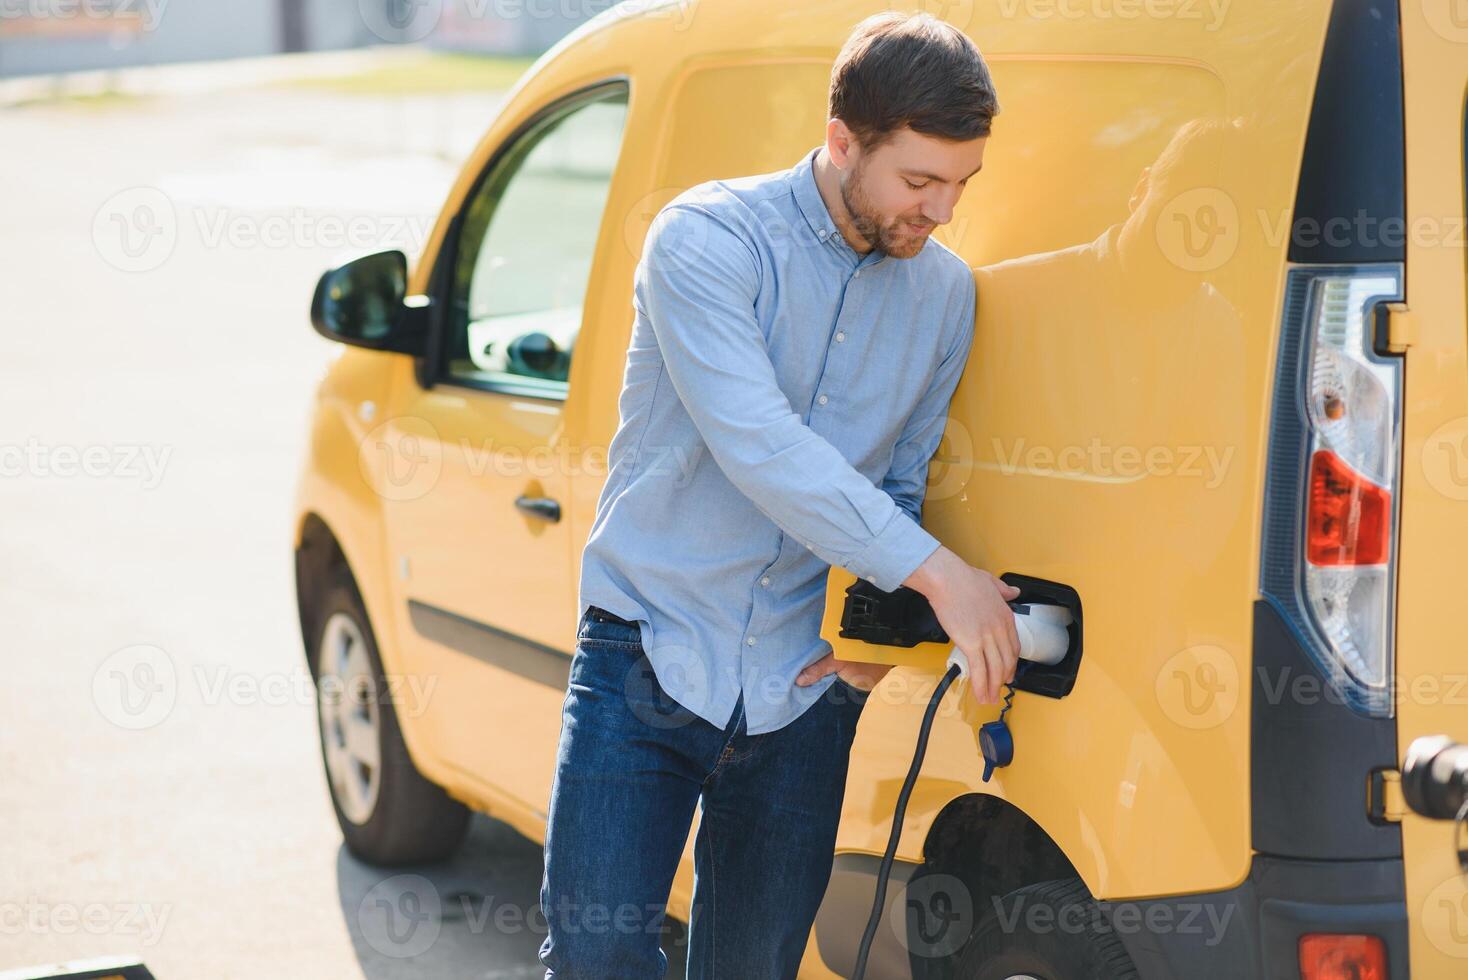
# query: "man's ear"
[[839, 142]]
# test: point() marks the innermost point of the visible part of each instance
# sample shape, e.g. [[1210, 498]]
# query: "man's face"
[[898, 193]]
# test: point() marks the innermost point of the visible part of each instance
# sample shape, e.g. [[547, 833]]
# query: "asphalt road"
[[161, 792]]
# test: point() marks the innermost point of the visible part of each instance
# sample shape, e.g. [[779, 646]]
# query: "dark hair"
[[911, 70]]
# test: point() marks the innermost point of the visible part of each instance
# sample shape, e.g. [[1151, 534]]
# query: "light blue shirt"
[[782, 398]]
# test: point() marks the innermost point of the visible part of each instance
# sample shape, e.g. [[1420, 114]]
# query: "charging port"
[[904, 618]]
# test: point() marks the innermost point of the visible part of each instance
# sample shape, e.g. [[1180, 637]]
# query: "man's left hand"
[[861, 676]]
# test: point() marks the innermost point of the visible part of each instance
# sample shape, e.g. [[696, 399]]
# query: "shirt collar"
[[817, 215]]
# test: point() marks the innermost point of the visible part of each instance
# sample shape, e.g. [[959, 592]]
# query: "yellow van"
[[1217, 403]]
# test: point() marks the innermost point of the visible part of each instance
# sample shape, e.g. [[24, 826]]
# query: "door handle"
[[544, 508]]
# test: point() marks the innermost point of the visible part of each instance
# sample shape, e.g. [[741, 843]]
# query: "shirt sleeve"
[[907, 477], [697, 283]]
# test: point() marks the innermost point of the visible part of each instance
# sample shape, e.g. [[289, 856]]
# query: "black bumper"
[[1254, 930]]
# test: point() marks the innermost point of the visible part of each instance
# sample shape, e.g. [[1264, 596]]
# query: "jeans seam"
[[599, 641], [705, 916], [726, 752]]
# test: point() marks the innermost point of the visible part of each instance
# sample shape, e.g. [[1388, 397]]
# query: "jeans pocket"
[[846, 693], [605, 633]]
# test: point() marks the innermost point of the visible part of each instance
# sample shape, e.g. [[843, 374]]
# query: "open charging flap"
[[898, 628]]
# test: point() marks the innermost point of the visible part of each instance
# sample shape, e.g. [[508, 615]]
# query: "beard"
[[888, 237]]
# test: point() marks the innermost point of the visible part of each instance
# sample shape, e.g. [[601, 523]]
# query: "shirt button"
[[750, 641], [840, 336], [822, 233], [822, 399], [765, 580]]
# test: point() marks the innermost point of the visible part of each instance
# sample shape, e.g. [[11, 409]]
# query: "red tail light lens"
[[1350, 518], [1324, 956]]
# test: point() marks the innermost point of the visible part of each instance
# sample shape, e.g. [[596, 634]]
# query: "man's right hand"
[[972, 607]]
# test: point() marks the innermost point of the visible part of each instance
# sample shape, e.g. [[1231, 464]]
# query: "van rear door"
[[1432, 651]]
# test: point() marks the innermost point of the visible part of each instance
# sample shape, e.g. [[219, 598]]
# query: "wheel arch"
[[992, 847]]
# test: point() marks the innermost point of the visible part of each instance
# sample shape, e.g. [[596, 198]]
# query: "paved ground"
[[160, 785]]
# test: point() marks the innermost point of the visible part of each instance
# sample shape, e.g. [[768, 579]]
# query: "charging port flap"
[[900, 627]]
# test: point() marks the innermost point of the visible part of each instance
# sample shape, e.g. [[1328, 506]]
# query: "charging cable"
[[1043, 639]]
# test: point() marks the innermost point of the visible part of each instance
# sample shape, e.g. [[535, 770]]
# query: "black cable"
[[897, 814]]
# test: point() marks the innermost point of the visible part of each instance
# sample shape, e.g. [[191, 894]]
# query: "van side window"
[[525, 250]]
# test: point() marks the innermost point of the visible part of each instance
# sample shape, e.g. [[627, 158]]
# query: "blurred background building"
[[49, 36]]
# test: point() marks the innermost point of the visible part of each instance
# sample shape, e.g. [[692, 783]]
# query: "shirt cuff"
[[895, 553]]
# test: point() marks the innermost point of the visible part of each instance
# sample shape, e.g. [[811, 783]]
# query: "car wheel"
[[388, 812], [1050, 930]]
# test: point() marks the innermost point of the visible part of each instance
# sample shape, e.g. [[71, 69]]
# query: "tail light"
[[1330, 500], [1324, 956]]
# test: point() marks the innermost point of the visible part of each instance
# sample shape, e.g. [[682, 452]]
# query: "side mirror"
[[364, 303]]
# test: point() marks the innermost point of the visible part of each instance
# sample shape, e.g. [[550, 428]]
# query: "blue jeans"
[[630, 768]]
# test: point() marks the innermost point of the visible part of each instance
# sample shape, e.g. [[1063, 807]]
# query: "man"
[[798, 337]]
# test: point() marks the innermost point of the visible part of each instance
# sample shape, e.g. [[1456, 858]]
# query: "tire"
[[1068, 940], [389, 813]]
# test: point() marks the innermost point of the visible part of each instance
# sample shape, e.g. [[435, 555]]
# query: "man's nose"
[[938, 209]]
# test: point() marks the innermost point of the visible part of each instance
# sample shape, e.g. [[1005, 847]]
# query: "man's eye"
[[916, 187]]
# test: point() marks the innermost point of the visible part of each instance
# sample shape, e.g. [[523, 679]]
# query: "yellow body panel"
[[1109, 433], [1432, 682]]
